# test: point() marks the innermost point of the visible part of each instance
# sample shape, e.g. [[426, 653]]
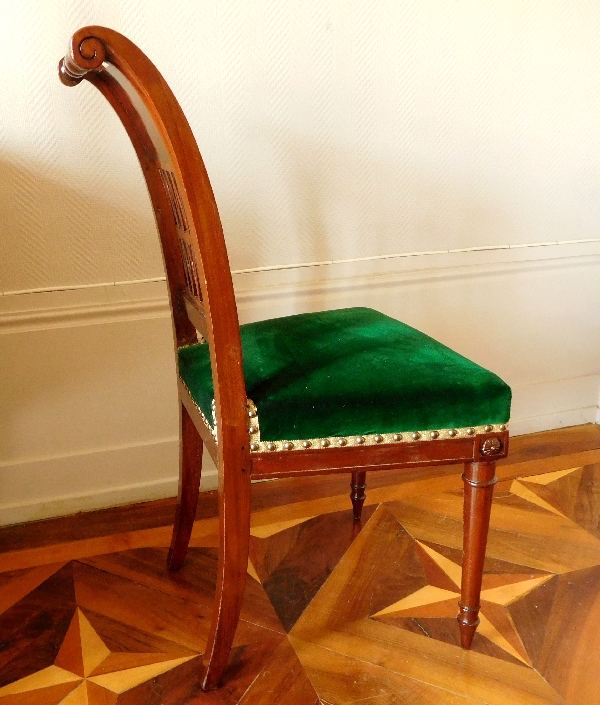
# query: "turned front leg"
[[357, 494], [479, 480]]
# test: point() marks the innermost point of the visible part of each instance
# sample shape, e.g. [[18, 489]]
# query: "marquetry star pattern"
[[116, 627], [86, 672], [437, 601], [424, 609]]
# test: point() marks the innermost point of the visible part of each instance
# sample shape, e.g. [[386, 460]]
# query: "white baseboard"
[[103, 478], [556, 404], [549, 422]]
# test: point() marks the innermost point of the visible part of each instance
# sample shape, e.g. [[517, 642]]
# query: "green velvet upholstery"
[[350, 372]]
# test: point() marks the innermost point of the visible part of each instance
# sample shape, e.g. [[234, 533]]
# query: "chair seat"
[[352, 372]]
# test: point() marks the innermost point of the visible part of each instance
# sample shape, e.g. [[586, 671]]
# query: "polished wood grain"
[[368, 615], [335, 678], [479, 479], [299, 574], [195, 584], [203, 303]]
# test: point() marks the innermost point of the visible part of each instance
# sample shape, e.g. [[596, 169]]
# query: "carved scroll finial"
[[86, 53]]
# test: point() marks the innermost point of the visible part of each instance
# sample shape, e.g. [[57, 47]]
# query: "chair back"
[[198, 273]]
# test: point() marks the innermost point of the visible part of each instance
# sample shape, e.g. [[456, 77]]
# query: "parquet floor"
[[333, 613]]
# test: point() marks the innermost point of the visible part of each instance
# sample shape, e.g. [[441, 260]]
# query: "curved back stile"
[[187, 218], [202, 301]]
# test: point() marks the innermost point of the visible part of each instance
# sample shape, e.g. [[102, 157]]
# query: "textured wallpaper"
[[330, 129]]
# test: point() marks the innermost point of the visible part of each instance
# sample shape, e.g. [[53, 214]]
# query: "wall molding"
[[83, 315], [83, 307], [251, 294], [137, 300]]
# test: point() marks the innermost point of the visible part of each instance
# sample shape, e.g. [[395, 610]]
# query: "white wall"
[[349, 134]]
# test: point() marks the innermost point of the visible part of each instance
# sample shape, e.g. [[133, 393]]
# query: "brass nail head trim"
[[423, 436]]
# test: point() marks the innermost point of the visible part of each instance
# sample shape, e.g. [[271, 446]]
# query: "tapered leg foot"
[[479, 480], [190, 469], [468, 625], [358, 486]]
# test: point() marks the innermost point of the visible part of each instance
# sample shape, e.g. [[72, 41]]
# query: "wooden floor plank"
[[194, 582], [520, 532], [15, 590], [282, 680], [337, 619], [441, 665], [344, 680], [73, 550], [568, 655]]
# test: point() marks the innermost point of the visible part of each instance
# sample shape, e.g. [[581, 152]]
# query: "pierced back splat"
[[190, 268]]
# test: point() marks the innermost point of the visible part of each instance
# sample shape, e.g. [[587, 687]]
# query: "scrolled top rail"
[[192, 239], [86, 53]]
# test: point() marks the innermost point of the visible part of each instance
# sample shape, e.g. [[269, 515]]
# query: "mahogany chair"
[[347, 390]]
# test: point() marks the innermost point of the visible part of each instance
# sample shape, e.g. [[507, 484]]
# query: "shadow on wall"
[[57, 232], [316, 202], [75, 386]]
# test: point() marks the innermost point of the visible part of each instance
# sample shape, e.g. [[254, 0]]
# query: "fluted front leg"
[[479, 480]]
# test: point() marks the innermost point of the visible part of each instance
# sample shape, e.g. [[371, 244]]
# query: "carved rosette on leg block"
[[479, 480]]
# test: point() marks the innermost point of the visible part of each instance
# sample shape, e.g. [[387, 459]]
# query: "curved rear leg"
[[190, 469], [234, 540]]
